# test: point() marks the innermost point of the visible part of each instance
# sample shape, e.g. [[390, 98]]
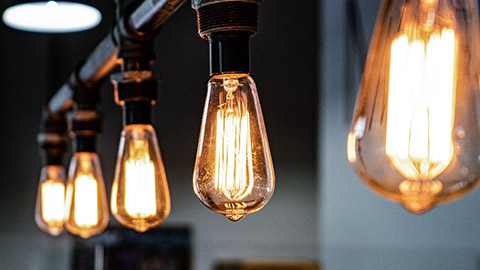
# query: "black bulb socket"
[[229, 52], [52, 148], [228, 25], [84, 143], [137, 112], [52, 139], [85, 126]]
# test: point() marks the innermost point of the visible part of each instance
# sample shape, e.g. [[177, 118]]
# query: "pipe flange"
[[221, 16]]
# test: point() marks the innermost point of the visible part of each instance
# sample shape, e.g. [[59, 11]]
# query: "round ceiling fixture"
[[52, 17]]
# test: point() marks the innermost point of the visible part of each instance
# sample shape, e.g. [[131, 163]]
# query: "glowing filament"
[[351, 141], [140, 199], [233, 150], [53, 196], [86, 205], [421, 105]]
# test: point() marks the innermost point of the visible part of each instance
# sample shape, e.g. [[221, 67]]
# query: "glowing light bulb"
[[414, 132], [140, 195], [49, 210], [85, 202], [233, 170]]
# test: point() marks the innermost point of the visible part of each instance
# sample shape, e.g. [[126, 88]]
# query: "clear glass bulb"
[[140, 195], [85, 200], [49, 209], [233, 172], [415, 133]]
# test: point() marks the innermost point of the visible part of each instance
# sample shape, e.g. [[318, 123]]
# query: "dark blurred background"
[[284, 64]]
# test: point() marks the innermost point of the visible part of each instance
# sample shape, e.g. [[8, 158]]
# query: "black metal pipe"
[[150, 15]]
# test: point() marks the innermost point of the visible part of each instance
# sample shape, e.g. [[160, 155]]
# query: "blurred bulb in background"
[[233, 172], [415, 133], [50, 210], [86, 202], [140, 195]]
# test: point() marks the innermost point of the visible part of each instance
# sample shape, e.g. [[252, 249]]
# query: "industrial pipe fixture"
[[233, 172], [241, 164], [81, 92], [140, 195]]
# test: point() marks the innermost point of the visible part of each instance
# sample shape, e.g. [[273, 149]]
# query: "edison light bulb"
[[140, 196], [415, 133], [85, 201], [233, 170], [49, 209]]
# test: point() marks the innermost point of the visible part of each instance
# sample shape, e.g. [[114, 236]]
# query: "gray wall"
[[359, 229]]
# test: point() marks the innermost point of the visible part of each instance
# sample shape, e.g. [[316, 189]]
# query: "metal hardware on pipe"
[[146, 18], [153, 13], [52, 138]]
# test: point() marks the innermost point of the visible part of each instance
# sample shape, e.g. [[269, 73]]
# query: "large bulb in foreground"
[[415, 133], [49, 209], [85, 200], [140, 195], [233, 172]]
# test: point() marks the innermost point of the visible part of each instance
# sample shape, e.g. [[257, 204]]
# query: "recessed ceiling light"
[[52, 17]]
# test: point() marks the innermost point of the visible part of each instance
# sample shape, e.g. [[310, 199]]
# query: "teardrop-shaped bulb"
[[140, 195], [49, 209], [414, 136], [85, 200], [233, 170]]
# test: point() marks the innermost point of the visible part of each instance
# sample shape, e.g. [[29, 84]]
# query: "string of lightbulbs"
[[413, 139], [233, 172]]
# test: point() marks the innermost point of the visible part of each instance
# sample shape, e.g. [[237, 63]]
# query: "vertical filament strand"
[[53, 196], [140, 199], [86, 203], [421, 105], [233, 156]]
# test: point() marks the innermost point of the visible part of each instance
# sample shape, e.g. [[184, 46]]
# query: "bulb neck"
[[229, 52], [137, 112], [84, 143], [52, 148], [52, 160]]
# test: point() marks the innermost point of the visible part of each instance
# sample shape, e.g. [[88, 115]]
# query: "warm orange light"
[[86, 211], [233, 150], [53, 197], [85, 200], [140, 182], [421, 105], [140, 196], [49, 209], [351, 154], [415, 131], [233, 169]]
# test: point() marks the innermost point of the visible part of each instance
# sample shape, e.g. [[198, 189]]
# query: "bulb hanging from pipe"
[[414, 135]]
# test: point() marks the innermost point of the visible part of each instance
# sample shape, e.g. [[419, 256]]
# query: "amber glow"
[[351, 154], [233, 150], [140, 182], [85, 199], [233, 172], [86, 213], [421, 105], [53, 194], [416, 115], [140, 197]]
